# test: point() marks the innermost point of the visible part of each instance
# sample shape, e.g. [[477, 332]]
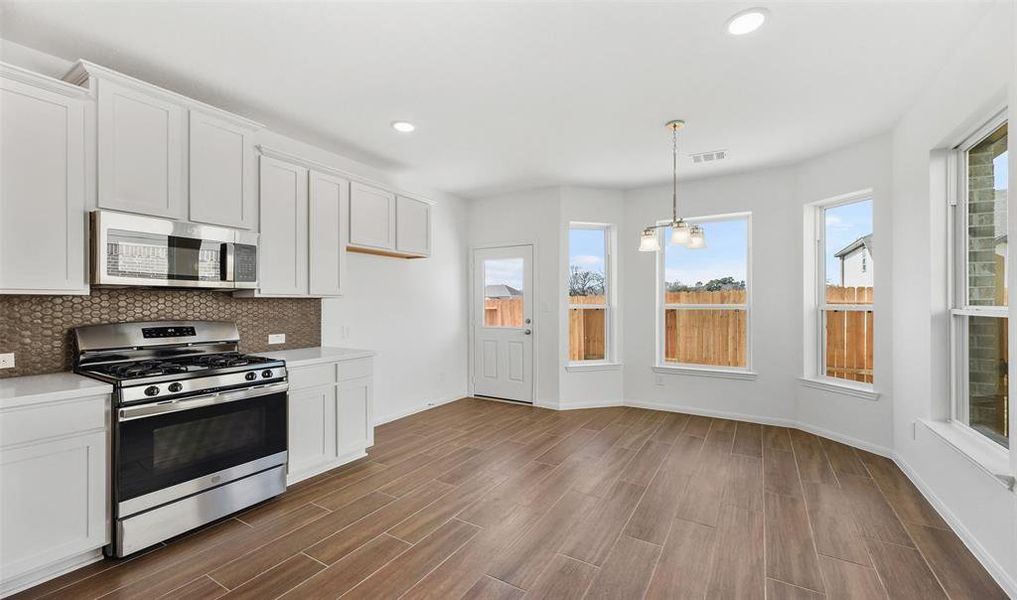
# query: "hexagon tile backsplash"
[[38, 328]]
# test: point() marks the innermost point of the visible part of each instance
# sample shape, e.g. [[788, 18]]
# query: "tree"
[[585, 283], [713, 285]]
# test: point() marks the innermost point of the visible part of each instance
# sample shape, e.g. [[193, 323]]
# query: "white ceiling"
[[519, 95]]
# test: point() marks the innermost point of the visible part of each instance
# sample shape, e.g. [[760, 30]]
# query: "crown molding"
[[330, 170], [34, 79], [83, 71]]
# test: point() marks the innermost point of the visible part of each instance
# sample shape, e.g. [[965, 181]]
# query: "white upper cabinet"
[[221, 172], [383, 223], [327, 247], [303, 243], [141, 151], [45, 176], [413, 226], [372, 217], [166, 155], [282, 260]]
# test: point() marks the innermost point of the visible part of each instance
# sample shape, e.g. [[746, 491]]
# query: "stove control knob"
[[175, 387], [266, 373], [152, 390], [251, 376]]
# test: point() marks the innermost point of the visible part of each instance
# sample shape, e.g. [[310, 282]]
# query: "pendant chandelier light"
[[682, 234]]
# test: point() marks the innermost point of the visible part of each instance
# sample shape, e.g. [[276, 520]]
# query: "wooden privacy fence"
[[503, 312], [587, 334], [710, 336], [849, 335]]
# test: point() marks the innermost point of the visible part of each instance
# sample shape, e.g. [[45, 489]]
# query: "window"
[[980, 284], [589, 292], [845, 265], [503, 292], [704, 296]]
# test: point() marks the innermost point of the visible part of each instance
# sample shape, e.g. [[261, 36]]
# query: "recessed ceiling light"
[[403, 126], [747, 21]]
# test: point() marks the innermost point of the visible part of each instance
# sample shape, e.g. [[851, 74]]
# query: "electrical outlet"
[[277, 338], [7, 361], [658, 379], [346, 332]]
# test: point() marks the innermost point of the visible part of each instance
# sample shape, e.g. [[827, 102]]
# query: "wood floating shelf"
[[382, 252]]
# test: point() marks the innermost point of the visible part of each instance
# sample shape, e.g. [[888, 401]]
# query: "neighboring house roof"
[[865, 240], [501, 291]]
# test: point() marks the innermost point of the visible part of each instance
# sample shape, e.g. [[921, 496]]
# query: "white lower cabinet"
[[53, 487], [354, 423], [312, 437], [331, 415]]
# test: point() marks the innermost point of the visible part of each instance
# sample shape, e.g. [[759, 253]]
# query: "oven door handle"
[[170, 406]]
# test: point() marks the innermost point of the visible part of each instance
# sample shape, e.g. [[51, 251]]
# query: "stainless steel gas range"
[[199, 429]]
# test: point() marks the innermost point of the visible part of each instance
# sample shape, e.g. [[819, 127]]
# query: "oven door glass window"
[[171, 448]]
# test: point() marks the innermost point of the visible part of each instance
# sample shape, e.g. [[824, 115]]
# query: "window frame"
[[820, 307], [957, 286], [609, 300], [660, 365]]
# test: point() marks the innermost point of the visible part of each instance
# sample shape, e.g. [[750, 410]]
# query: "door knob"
[[527, 331]]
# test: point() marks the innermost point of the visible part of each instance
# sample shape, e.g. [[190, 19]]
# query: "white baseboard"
[[578, 405], [981, 554], [412, 411]]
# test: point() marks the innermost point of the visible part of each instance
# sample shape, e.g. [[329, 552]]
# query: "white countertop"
[[15, 391], [322, 354]]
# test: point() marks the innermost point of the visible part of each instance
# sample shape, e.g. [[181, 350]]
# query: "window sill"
[[858, 391], [581, 367], [742, 374], [984, 454]]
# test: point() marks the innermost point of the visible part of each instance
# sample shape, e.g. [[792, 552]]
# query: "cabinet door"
[[52, 502], [42, 190], [221, 172], [413, 226], [141, 150], [355, 418], [372, 217], [312, 439], [326, 244], [282, 257]]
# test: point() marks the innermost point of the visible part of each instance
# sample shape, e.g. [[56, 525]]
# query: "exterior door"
[[503, 322]]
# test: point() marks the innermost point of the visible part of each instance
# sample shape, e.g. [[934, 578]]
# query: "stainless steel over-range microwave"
[[135, 250]]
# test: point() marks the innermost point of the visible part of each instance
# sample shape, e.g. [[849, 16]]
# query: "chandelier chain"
[[674, 173]]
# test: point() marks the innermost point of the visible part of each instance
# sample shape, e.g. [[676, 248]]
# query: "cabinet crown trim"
[[84, 70], [39, 80], [330, 170]]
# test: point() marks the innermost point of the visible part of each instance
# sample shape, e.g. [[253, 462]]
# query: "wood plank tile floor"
[[481, 499]]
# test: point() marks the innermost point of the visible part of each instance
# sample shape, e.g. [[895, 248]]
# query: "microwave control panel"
[[245, 262]]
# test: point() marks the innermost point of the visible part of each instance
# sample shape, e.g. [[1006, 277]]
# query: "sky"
[[1000, 169], [845, 224], [504, 271], [586, 249], [725, 255]]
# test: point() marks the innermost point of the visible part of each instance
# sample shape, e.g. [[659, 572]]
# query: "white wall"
[[861, 166], [969, 89], [768, 195], [581, 389], [410, 312], [530, 217]]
